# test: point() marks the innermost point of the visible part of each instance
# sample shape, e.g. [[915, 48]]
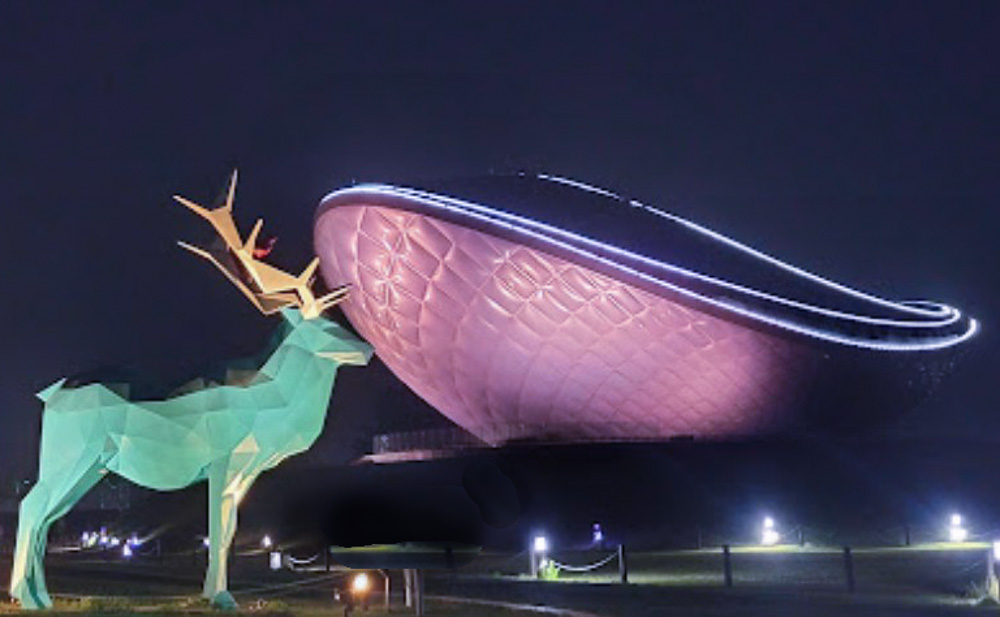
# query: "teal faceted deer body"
[[227, 433]]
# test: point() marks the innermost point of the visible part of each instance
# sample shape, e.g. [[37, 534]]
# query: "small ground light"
[[360, 585], [541, 544], [266, 542], [126, 551]]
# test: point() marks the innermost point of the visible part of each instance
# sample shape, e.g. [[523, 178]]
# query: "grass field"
[[927, 580], [117, 607], [943, 569]]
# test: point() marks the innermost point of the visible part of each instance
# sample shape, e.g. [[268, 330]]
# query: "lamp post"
[[769, 535], [956, 532], [539, 549]]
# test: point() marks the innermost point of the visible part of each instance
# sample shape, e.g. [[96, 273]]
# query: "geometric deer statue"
[[227, 433]]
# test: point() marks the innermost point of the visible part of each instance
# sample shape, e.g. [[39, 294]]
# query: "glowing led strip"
[[934, 309], [952, 315], [465, 207], [579, 185], [491, 216]]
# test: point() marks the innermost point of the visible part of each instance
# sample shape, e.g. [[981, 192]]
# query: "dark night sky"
[[860, 140]]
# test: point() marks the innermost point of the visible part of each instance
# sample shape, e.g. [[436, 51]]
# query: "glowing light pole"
[[769, 535], [598, 535], [539, 549]]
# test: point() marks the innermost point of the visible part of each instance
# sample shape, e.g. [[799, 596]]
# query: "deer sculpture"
[[227, 433]]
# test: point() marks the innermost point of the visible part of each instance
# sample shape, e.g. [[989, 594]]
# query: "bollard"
[[408, 587], [849, 568], [727, 566], [385, 573], [622, 564], [992, 581], [906, 535]]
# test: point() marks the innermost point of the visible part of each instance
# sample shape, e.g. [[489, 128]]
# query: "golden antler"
[[269, 288]]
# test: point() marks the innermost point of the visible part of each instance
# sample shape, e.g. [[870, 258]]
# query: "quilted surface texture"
[[513, 343]]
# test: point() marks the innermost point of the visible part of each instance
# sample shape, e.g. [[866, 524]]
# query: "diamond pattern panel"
[[513, 343]]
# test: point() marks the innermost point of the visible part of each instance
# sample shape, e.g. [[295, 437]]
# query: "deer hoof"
[[225, 601]]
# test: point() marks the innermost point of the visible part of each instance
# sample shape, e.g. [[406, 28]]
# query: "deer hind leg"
[[49, 500], [226, 488]]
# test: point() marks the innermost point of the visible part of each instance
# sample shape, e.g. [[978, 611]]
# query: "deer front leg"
[[226, 488], [47, 501]]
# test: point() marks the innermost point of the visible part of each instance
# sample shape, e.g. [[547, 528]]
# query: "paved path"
[[533, 608], [649, 600]]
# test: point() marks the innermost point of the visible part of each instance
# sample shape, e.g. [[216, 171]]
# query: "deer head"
[[267, 287]]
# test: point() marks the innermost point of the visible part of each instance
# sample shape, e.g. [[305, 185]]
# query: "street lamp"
[[957, 533], [539, 547]]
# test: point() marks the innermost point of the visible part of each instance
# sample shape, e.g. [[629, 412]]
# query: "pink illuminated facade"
[[518, 330]]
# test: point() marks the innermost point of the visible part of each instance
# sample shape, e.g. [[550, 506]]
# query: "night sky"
[[859, 140]]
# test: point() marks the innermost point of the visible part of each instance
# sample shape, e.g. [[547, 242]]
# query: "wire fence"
[[950, 569], [587, 568]]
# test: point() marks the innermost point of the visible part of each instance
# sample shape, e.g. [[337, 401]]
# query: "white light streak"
[[936, 315]]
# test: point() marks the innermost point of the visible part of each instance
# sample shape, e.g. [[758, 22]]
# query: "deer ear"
[[47, 393]]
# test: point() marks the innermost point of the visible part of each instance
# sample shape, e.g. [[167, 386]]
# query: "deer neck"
[[290, 360]]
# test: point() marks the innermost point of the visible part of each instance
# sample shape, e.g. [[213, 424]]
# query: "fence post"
[[622, 564], [849, 568], [727, 566], [408, 587]]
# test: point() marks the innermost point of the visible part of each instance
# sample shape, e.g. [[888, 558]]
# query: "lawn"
[[929, 580]]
